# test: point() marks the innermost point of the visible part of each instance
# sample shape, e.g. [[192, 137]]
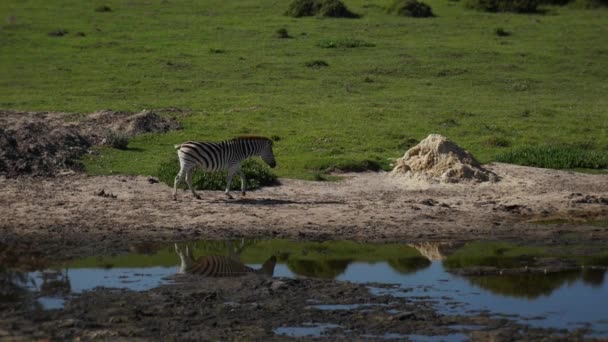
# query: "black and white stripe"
[[222, 155], [219, 266]]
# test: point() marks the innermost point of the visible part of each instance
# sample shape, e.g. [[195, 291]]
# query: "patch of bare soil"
[[46, 143], [363, 206]]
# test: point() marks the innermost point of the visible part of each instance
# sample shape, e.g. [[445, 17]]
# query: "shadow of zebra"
[[270, 201]]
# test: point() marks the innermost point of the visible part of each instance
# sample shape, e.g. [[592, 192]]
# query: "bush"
[[411, 8], [496, 141], [316, 64], [555, 2], [256, 173], [103, 8], [517, 6], [590, 4], [348, 165], [282, 33], [501, 32], [116, 139], [555, 157], [346, 43], [323, 8]]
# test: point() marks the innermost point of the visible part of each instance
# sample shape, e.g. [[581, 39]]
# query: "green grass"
[[545, 84], [556, 157]]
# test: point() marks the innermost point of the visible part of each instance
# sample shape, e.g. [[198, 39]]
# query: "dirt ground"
[[367, 206]]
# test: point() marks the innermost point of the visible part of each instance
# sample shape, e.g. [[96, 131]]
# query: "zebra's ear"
[[268, 266]]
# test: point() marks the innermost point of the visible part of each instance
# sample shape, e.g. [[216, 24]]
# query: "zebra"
[[219, 266], [222, 155]]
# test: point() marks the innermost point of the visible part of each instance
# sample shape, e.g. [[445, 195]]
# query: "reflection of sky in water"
[[568, 306], [83, 279], [573, 302]]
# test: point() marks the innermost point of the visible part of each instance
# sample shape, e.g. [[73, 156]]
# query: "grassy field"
[[403, 78]]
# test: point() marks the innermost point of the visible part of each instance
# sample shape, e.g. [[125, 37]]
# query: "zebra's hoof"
[[229, 196], [243, 193], [197, 197]]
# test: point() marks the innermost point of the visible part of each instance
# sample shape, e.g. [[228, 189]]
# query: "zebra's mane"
[[251, 137]]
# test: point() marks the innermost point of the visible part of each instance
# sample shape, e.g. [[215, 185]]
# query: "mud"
[[253, 308], [49, 143]]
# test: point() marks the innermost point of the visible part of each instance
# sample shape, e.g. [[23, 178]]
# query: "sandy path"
[[368, 206]]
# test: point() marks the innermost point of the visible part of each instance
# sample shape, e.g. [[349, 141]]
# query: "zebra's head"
[[267, 154]]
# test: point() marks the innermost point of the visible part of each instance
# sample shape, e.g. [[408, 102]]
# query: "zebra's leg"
[[189, 182], [231, 171], [243, 182], [178, 178]]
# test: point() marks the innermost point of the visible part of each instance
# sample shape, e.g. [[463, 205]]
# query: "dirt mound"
[[40, 149], [45, 144], [437, 159], [99, 123]]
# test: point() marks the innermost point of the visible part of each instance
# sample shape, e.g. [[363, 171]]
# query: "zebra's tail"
[[268, 266]]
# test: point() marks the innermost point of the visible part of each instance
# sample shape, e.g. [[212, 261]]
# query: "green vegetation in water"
[[495, 254], [329, 258], [534, 285], [257, 174], [535, 87], [505, 255], [555, 157], [256, 251]]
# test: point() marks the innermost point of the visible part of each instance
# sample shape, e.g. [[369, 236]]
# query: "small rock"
[[103, 193], [430, 202], [152, 180], [277, 285], [402, 316]]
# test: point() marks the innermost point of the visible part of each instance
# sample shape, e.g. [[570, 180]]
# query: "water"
[[565, 300], [307, 330]]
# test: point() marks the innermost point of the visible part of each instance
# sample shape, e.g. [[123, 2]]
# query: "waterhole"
[[542, 286]]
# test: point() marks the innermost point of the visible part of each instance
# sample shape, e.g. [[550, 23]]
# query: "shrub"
[[501, 32], [282, 33], [555, 157], [316, 64], [58, 33], [411, 8], [590, 4], [346, 43], [324, 8], [517, 6], [103, 8], [116, 139], [555, 2], [347, 165], [256, 173], [496, 141]]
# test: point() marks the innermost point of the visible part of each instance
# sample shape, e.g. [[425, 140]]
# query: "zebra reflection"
[[219, 266]]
